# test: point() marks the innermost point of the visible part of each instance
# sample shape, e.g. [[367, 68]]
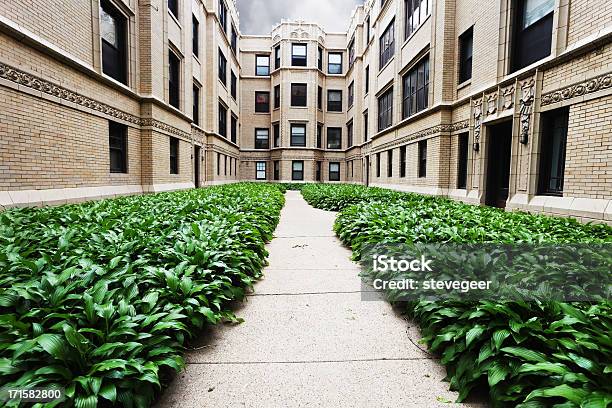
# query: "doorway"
[[196, 165], [499, 142]]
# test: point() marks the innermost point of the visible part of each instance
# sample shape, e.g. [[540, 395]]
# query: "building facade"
[[505, 103]]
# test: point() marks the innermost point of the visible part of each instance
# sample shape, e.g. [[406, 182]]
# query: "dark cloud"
[[259, 16]]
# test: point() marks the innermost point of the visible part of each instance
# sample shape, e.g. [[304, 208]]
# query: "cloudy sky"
[[258, 16]]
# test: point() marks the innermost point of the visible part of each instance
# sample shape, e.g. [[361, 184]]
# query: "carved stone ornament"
[[580, 89], [477, 114], [492, 104], [508, 98], [527, 97]]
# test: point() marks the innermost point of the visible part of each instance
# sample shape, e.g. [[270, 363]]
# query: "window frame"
[[550, 122], [334, 106], [422, 159], [378, 165], [277, 96], [222, 122], [349, 134], [265, 68], [410, 99], [222, 68], [262, 107], [386, 45], [234, 40], [174, 79], [195, 36], [233, 128], [385, 110], [261, 143], [367, 79], [320, 58], [115, 65], [298, 100], [466, 43], [195, 107], [351, 52], [294, 171], [276, 134], [294, 141], [233, 85], [330, 130], [173, 8], [276, 170], [390, 163], [366, 118], [277, 57], [338, 69], [412, 21], [258, 170], [174, 155], [403, 154], [118, 142], [223, 15], [351, 94], [462, 160], [336, 173], [299, 60], [523, 37]]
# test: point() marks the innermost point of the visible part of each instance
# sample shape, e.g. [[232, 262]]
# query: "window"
[[387, 45], [173, 7], [385, 110], [234, 40], [298, 55], [318, 171], [416, 89], [319, 135], [368, 30], [113, 30], [222, 67], [365, 126], [320, 59], [319, 98], [298, 135], [262, 138], [218, 164], [351, 94], [174, 75], [367, 79], [334, 101], [334, 138], [276, 130], [262, 65], [276, 170], [277, 57], [351, 52], [377, 164], [403, 161], [233, 85], [277, 96], [222, 15], [334, 171], [389, 163], [260, 170], [334, 63], [422, 159], [196, 104], [222, 120], [553, 148], [234, 129], [230, 166], [174, 155], [225, 166], [262, 102], [117, 141], [466, 43], [462, 165], [416, 13], [533, 25], [349, 133], [195, 36], [298, 94], [297, 170]]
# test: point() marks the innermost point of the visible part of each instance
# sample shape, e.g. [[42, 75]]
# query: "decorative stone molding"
[[218, 149], [444, 128], [508, 98], [527, 97], [492, 104], [477, 115], [576, 90]]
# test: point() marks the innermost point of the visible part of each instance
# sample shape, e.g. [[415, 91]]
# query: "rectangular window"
[[318, 171], [298, 94], [368, 25], [298, 135], [466, 43], [262, 67], [389, 163], [222, 120], [334, 63], [377, 164], [234, 41], [422, 159], [462, 165], [351, 94], [196, 104], [403, 161], [276, 170], [298, 55], [225, 166], [222, 68], [334, 138], [234, 129], [277, 57], [553, 151], [174, 155], [276, 130], [174, 75], [365, 126], [218, 164], [387, 45], [351, 52], [416, 12], [349, 134], [334, 171], [117, 141], [319, 135], [222, 15], [233, 85], [277, 92], [319, 98], [262, 102], [262, 138], [367, 79], [230, 166], [173, 8], [297, 170], [385, 110], [533, 25], [416, 89], [334, 101], [113, 31], [320, 59], [260, 172], [195, 36]]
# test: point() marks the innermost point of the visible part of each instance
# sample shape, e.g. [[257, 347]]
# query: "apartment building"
[[505, 103]]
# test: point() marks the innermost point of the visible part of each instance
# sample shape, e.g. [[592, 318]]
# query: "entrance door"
[[367, 170], [196, 166], [498, 167]]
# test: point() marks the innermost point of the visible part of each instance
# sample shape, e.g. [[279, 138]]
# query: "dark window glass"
[[174, 79], [351, 94], [319, 135], [234, 129], [196, 104], [222, 15], [298, 55], [367, 79], [117, 140], [222, 120], [553, 148], [222, 68], [368, 30], [277, 57], [334, 63], [173, 7], [377, 164], [422, 159], [276, 130], [403, 161], [385, 110], [318, 171], [389, 163], [334, 171], [233, 85], [351, 52], [234, 41], [260, 170], [277, 170], [387, 45], [113, 30], [297, 170], [262, 138], [462, 165], [416, 13], [320, 98], [466, 43], [225, 166], [298, 135], [277, 96], [334, 138], [298, 94], [218, 164], [195, 36], [262, 65], [533, 25], [416, 89], [174, 155], [334, 101], [365, 126], [320, 59], [349, 134], [262, 102]]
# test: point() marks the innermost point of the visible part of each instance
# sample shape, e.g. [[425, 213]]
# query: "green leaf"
[[53, 344], [544, 368], [525, 354], [90, 401], [473, 334], [575, 395], [109, 392]]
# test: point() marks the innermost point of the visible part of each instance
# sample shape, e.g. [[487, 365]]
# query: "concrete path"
[[308, 339]]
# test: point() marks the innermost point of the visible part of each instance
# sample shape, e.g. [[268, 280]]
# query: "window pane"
[[108, 28], [535, 10]]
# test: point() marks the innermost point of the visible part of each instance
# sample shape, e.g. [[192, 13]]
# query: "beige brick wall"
[[587, 17]]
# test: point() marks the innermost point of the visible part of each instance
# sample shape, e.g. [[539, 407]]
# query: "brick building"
[[505, 103]]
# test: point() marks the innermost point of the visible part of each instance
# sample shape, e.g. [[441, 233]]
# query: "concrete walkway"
[[308, 339]]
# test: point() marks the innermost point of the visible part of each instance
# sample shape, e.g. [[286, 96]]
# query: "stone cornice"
[[579, 89], [444, 128]]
